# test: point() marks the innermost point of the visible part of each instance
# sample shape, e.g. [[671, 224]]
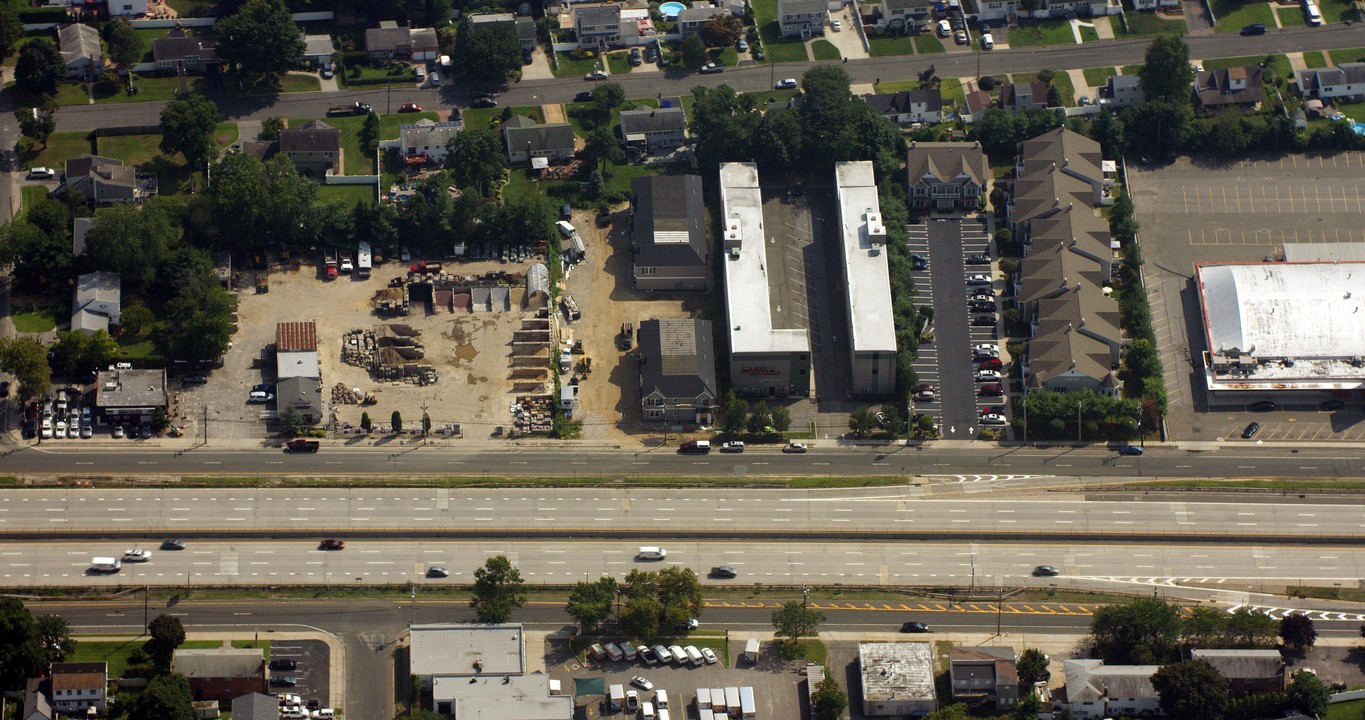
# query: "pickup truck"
[[301, 445], [426, 268], [358, 108], [329, 263]]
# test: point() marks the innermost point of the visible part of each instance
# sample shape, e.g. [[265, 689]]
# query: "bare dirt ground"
[[604, 288]]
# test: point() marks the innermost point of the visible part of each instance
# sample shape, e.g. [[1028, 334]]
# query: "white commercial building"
[[479, 671], [1282, 327], [867, 281], [898, 678]]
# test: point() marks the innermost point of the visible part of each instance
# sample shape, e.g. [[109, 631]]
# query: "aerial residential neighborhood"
[[728, 359]]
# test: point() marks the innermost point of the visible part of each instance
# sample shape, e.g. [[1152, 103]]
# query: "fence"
[[350, 180]]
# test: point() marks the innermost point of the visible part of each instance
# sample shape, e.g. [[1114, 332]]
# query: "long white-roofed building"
[[867, 281]]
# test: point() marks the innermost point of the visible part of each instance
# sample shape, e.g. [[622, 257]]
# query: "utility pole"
[[1078, 421], [146, 623]]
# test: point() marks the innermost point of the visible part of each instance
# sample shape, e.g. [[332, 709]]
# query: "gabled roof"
[[1343, 74], [35, 702], [312, 136], [943, 162], [1092, 681], [701, 14], [79, 41], [554, 136], [423, 39], [1001, 661], [652, 120], [106, 170], [1012, 94], [318, 45], [388, 36], [1244, 664], [1072, 337], [255, 706], [97, 304], [177, 45], [903, 102], [79, 675], [1214, 87], [1123, 82], [800, 7], [668, 227], [219, 662], [908, 4], [428, 133], [677, 359], [595, 15], [978, 101], [526, 28]]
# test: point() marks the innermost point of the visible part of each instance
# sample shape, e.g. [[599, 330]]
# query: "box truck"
[[751, 650], [363, 260], [732, 701], [617, 696], [747, 709]]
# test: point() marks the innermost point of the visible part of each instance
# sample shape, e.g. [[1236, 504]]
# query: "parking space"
[[1243, 211], [313, 671]]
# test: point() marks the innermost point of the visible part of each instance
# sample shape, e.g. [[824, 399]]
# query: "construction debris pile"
[[389, 352], [533, 414], [342, 395]]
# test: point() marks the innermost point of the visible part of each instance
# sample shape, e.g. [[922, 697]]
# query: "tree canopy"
[[591, 603], [54, 634], [475, 160], [1191, 689], [487, 51], [187, 127], [39, 68], [1308, 694], [166, 697], [1145, 631], [794, 620], [126, 46], [1166, 74], [1032, 667], [1297, 631], [26, 359], [260, 38], [166, 634], [498, 590], [11, 30], [21, 651], [829, 701]]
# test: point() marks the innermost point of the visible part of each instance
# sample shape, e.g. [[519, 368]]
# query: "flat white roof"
[[865, 264], [746, 277], [454, 649], [897, 671]]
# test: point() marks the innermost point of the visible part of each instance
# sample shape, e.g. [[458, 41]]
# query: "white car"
[[87, 431], [988, 376], [347, 266], [986, 350], [786, 84], [836, 26], [993, 419], [46, 431], [41, 173], [978, 279], [987, 42], [118, 432], [73, 431], [639, 681], [137, 555], [60, 430], [944, 29], [709, 655]]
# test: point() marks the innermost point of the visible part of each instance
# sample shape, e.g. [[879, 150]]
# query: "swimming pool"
[[1360, 128], [671, 9]]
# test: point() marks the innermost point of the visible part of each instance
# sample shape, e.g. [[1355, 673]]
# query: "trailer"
[[732, 701], [747, 709], [358, 108], [364, 260], [704, 698], [718, 701]]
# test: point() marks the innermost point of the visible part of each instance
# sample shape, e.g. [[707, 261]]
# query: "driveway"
[[849, 42], [539, 69]]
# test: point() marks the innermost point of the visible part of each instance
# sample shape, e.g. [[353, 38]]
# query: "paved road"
[[290, 562], [853, 514], [749, 78]]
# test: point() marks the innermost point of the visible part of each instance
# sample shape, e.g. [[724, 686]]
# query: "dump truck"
[[302, 446], [329, 263], [358, 108]]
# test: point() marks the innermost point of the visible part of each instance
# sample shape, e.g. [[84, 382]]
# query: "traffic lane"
[[563, 563], [952, 334]]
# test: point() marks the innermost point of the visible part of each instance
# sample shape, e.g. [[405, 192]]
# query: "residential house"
[[298, 371], [1234, 87], [127, 8], [924, 105], [668, 233], [79, 686], [317, 49], [1017, 97], [36, 705], [393, 42], [975, 105], [897, 678], [996, 10], [1248, 671], [80, 227], [1121, 91], [526, 140], [677, 372], [424, 142], [947, 176], [984, 672], [597, 26], [1154, 5], [802, 18], [97, 303], [255, 706], [315, 148], [1067, 8], [1095, 690], [691, 20], [106, 180], [130, 397], [1343, 83], [222, 673], [479, 671], [904, 15], [637, 28], [524, 27], [182, 52], [79, 46], [1075, 343], [657, 130], [527, 36]]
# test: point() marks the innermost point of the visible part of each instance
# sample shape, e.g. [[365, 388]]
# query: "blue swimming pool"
[[1360, 128], [671, 9]]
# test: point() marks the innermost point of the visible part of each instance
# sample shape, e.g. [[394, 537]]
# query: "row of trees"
[[645, 605], [1151, 631], [757, 421]]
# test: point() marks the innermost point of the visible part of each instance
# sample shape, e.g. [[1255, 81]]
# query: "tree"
[[1032, 668], [488, 51], [1191, 689], [54, 634], [590, 603], [475, 160], [133, 241], [1298, 632], [26, 359], [11, 30], [794, 621], [1029, 707], [693, 52], [956, 711], [1166, 74], [737, 413], [125, 45], [365, 422], [722, 31], [1138, 632], [39, 68], [760, 419], [369, 133], [862, 421], [396, 420], [639, 617], [680, 596], [781, 419], [498, 590], [829, 701], [1308, 694], [167, 633], [38, 122], [271, 127], [166, 697], [76, 351], [187, 126], [606, 97], [602, 147], [21, 650], [893, 421], [259, 39]]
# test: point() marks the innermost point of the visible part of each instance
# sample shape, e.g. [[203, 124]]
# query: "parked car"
[[960, 37], [584, 96], [484, 102], [990, 364], [734, 446], [709, 656], [1251, 430], [914, 627], [409, 108], [289, 665], [1045, 571], [924, 392], [919, 262], [988, 376], [786, 84], [978, 279], [981, 306], [595, 75], [41, 173], [986, 350], [944, 28], [1130, 450], [979, 259], [993, 419], [639, 681], [987, 42], [836, 26], [742, 45], [283, 681], [636, 58], [990, 391], [794, 447], [711, 68], [984, 320], [1263, 406], [1257, 29]]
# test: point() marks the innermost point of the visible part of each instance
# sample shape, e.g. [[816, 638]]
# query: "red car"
[[990, 364], [991, 391], [993, 410], [332, 544], [409, 107]]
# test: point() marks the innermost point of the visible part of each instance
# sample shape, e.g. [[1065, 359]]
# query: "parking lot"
[[947, 363], [776, 686], [313, 672], [1242, 211]]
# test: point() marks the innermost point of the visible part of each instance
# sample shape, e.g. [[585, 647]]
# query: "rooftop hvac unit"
[[876, 231]]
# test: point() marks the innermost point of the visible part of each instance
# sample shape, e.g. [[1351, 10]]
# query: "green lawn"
[[30, 195], [1355, 111], [61, 146], [926, 44], [1095, 77], [886, 45], [1278, 63], [1066, 88], [348, 194], [1047, 32], [36, 319], [1145, 23], [193, 8], [130, 348], [777, 48], [1335, 11], [356, 161], [574, 68], [1089, 34], [771, 96], [1290, 16], [729, 57], [117, 652], [895, 86], [618, 64], [1233, 15], [365, 72], [173, 175], [1348, 55], [824, 50], [1315, 59], [951, 90], [225, 134], [1131, 69], [1351, 710]]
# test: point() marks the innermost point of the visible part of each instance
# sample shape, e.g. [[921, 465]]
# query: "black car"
[[984, 320], [1257, 29], [914, 627], [981, 306], [1251, 430], [979, 259], [1044, 571], [284, 664], [918, 262], [723, 571], [283, 681], [651, 53], [30, 429], [1263, 406], [635, 57], [484, 102], [173, 545], [584, 96]]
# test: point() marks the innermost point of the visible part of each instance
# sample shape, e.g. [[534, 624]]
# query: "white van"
[[614, 652], [661, 699], [1310, 9], [649, 552], [647, 710], [944, 29], [105, 564], [694, 655], [566, 228], [325, 714], [703, 698], [421, 73]]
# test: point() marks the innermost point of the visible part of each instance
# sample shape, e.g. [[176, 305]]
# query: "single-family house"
[[222, 673], [526, 33], [36, 705], [526, 140], [127, 8], [80, 227], [946, 176], [1066, 8], [255, 706], [691, 20], [1121, 91], [317, 49], [923, 105], [524, 27], [978, 672], [656, 130], [424, 142], [79, 686], [1095, 690], [79, 46], [1017, 97], [1248, 671], [315, 148], [1231, 87], [677, 372], [597, 26], [904, 15], [1344, 83], [802, 18], [182, 52], [668, 233], [975, 105], [389, 40], [106, 180], [97, 302], [992, 10]]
